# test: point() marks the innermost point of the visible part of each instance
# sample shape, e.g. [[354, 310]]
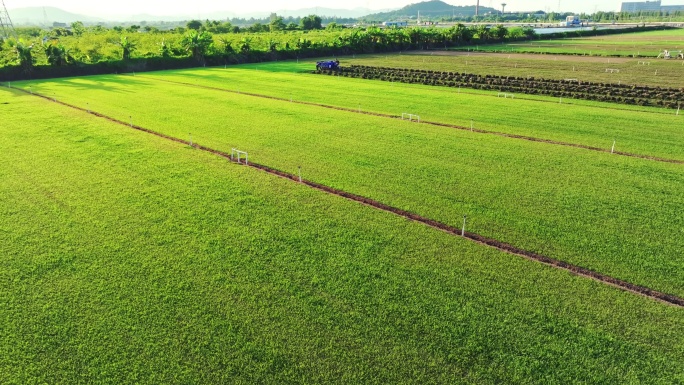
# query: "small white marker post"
[[190, 139], [300, 174], [31, 90], [612, 149], [88, 107], [463, 228], [130, 117], [471, 125], [560, 100], [359, 108], [677, 111]]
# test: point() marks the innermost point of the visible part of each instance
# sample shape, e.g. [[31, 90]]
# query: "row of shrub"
[[625, 94], [44, 71]]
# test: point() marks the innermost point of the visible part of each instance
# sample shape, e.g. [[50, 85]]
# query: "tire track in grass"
[[491, 242], [454, 126]]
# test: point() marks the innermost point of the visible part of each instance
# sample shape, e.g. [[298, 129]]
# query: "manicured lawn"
[[127, 258], [587, 123], [614, 214]]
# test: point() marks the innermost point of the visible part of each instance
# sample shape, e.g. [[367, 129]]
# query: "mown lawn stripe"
[[478, 130], [510, 249]]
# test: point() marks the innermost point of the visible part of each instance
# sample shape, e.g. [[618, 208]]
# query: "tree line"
[[92, 50]]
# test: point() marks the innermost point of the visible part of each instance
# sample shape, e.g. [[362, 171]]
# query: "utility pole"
[[6, 27], [477, 8]]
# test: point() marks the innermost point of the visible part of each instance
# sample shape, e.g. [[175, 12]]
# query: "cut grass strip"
[[638, 133], [591, 210], [472, 129], [578, 270]]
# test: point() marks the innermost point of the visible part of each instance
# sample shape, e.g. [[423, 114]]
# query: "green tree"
[[194, 24], [483, 32], [499, 32], [277, 24], [78, 28], [127, 47], [310, 22], [25, 56], [164, 49], [197, 44], [246, 45], [228, 49], [57, 54]]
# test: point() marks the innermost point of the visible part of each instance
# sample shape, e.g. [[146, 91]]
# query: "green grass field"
[[131, 259], [573, 121], [644, 44], [613, 214]]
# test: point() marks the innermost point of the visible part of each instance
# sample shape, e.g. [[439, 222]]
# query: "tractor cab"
[[332, 65]]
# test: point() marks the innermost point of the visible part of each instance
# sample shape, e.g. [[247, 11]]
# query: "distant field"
[[643, 72], [642, 44], [593, 209], [131, 259]]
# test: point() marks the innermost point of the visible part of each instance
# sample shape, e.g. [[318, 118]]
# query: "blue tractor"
[[332, 65]]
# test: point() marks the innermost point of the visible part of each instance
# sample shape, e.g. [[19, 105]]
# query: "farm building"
[[397, 24], [655, 6]]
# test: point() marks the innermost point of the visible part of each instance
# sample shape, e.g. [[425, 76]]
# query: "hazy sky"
[[159, 7]]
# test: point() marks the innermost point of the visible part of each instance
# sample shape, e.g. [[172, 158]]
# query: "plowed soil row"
[[576, 89], [454, 126], [505, 247]]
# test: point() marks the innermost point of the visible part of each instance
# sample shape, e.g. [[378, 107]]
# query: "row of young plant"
[[607, 92]]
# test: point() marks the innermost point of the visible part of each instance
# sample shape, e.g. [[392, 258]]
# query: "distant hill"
[[36, 16], [435, 9], [223, 15], [341, 13]]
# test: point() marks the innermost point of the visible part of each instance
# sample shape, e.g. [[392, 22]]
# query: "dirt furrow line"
[[454, 126], [501, 246]]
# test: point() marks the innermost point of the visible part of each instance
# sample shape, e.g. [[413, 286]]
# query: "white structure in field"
[[235, 152], [410, 117]]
